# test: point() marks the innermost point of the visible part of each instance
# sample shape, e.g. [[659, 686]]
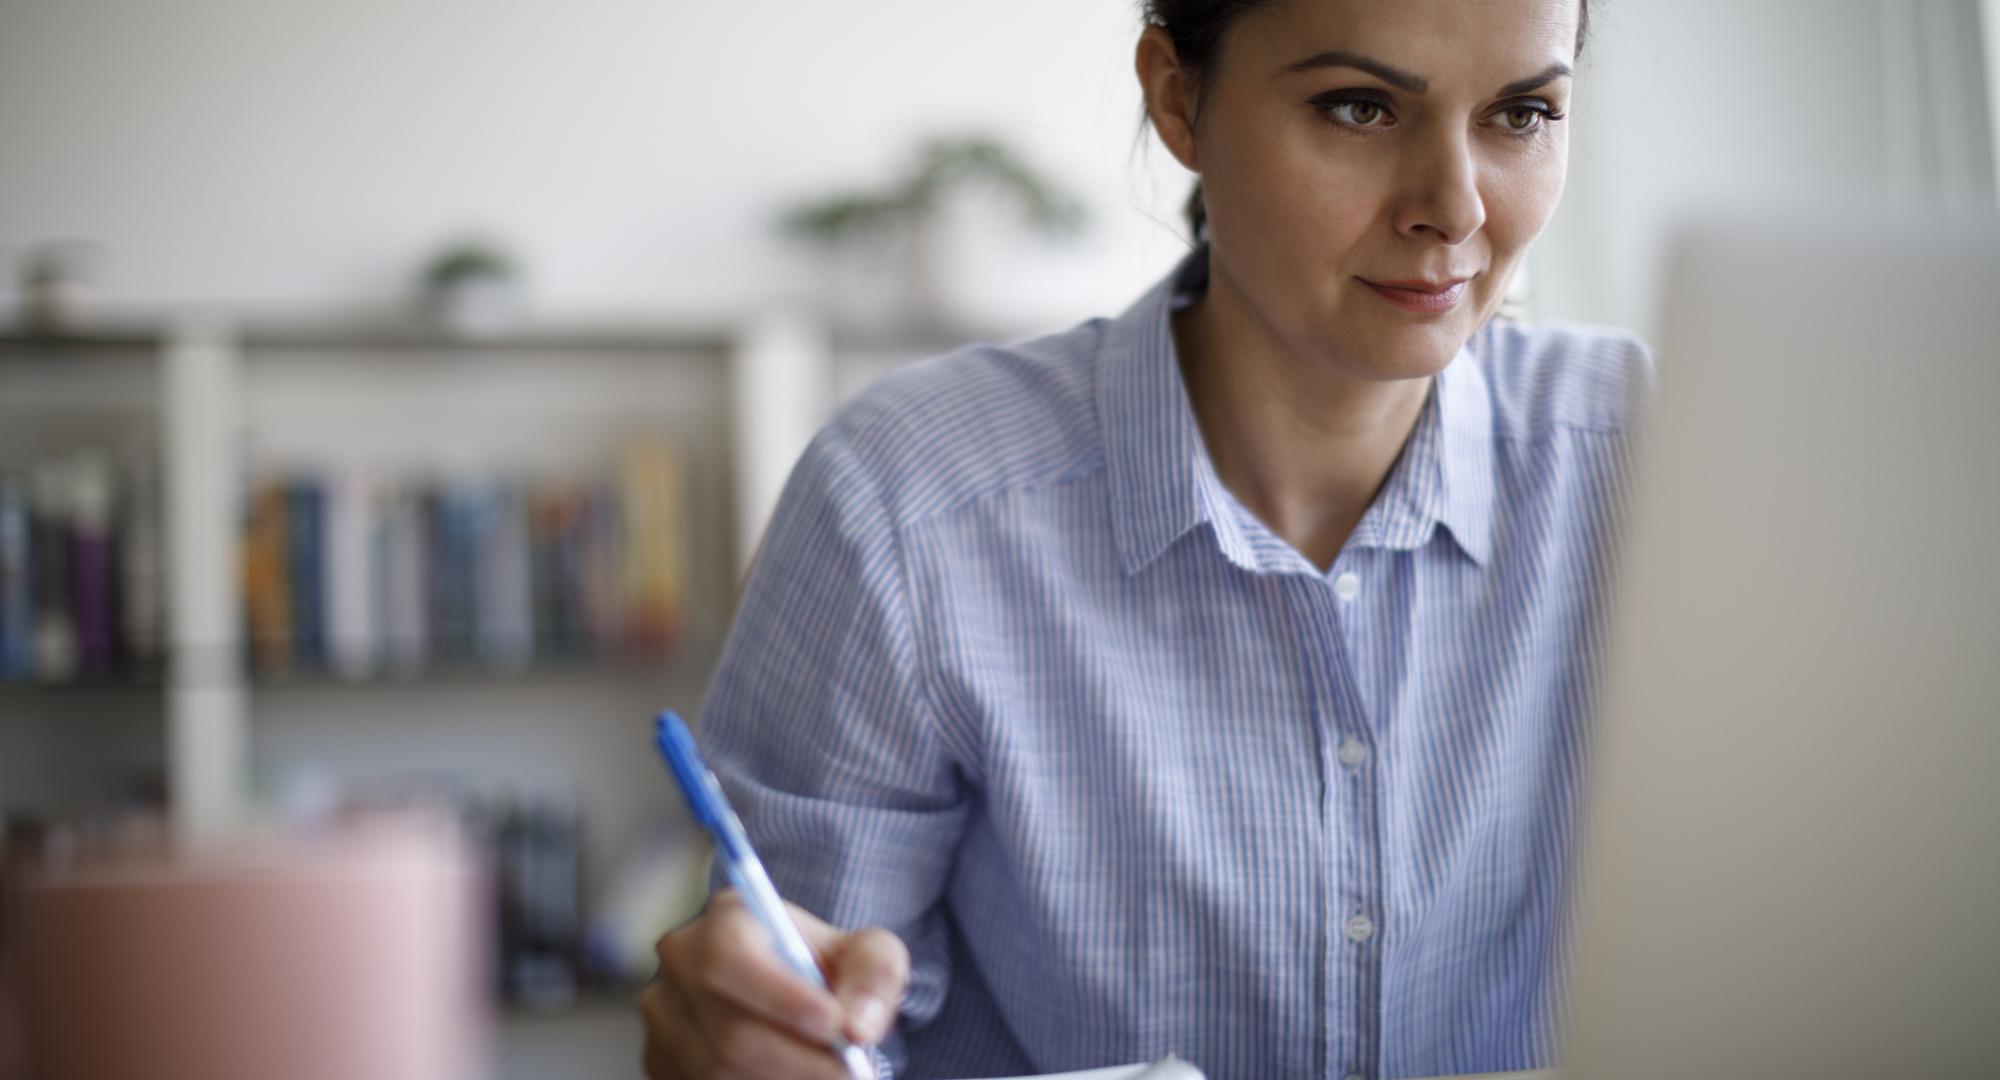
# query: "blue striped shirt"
[[1018, 678]]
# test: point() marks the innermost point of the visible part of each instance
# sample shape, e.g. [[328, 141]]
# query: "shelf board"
[[703, 649], [135, 346], [391, 337], [147, 341], [451, 676], [700, 649], [142, 340], [114, 686]]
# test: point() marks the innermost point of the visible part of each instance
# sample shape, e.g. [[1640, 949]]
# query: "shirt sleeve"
[[819, 730]]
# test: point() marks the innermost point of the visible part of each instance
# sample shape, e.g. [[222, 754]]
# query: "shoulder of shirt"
[[976, 422], [1546, 377]]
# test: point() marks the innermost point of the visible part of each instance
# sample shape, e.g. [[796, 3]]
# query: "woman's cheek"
[[1520, 203]]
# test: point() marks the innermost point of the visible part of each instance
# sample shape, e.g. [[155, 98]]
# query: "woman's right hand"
[[724, 1005]]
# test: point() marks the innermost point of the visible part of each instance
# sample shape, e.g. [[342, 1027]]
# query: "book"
[[142, 566], [449, 519], [599, 568], [548, 528], [305, 551], [506, 632], [350, 591], [266, 579], [92, 566], [17, 582], [357, 573], [655, 542], [55, 624], [402, 570], [80, 569]]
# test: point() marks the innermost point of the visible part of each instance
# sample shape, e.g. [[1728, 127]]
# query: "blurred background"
[[391, 393]]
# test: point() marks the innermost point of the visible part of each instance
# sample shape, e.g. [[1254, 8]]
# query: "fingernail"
[[870, 1016]]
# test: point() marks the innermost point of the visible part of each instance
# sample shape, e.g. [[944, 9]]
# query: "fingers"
[[675, 1047], [725, 1005], [723, 1041], [869, 971], [739, 965], [745, 1044]]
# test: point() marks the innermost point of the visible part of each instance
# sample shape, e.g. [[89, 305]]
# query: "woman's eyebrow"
[[1417, 84], [1548, 75], [1396, 77]]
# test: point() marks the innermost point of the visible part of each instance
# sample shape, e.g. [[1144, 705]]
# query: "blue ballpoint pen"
[[711, 811]]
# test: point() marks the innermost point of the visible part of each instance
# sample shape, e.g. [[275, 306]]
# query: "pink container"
[[350, 957]]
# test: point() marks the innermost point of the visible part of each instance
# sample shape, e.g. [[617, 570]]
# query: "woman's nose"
[[1440, 196]]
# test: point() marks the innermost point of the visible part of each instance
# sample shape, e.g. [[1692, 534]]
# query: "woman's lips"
[[1420, 297]]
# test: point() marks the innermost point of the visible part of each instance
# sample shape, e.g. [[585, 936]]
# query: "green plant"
[[467, 259], [942, 164]]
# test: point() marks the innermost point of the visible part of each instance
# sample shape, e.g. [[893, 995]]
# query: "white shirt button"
[[1347, 586], [1353, 751], [1360, 928]]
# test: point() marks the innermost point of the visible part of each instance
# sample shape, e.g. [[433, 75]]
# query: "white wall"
[[291, 153], [1755, 102]]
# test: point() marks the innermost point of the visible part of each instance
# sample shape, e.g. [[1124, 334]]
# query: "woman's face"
[[1350, 146]]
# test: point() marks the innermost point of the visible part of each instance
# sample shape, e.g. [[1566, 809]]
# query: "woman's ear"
[[1169, 95]]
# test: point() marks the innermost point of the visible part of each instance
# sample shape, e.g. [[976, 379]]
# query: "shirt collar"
[[1445, 473], [1163, 483]]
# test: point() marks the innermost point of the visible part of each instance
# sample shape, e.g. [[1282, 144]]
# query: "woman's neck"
[[1304, 446]]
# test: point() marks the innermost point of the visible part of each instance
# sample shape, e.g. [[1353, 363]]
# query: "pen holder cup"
[[348, 956]]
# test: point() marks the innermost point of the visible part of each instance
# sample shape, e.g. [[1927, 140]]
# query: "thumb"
[[868, 970]]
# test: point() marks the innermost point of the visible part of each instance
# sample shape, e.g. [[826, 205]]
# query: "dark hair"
[[1197, 28]]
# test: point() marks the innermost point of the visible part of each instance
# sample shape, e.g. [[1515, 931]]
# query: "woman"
[[1213, 679]]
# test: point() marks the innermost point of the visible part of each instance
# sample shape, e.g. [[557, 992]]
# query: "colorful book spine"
[[92, 566], [655, 543], [142, 584], [506, 631], [453, 575], [600, 570], [358, 574], [17, 582], [305, 547], [404, 571], [350, 594], [267, 579], [545, 512], [55, 624], [79, 571]]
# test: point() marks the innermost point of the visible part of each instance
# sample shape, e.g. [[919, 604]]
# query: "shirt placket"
[[1353, 970]]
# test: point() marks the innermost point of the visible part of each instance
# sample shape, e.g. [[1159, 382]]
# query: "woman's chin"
[[1406, 353]]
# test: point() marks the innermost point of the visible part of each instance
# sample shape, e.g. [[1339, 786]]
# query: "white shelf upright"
[[781, 391], [207, 698]]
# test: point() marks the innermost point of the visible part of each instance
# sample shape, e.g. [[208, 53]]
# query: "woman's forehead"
[[1442, 41]]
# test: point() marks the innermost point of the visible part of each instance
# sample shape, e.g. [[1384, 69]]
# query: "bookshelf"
[[66, 750], [213, 410]]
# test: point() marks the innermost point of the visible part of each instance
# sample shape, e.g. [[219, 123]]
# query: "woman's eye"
[[1358, 113], [1525, 119]]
